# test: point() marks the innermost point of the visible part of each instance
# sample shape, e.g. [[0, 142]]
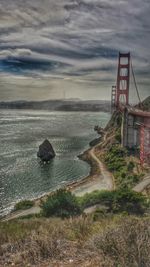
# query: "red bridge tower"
[[121, 94]]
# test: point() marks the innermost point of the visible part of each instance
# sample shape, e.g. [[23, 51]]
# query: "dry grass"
[[127, 245], [109, 242]]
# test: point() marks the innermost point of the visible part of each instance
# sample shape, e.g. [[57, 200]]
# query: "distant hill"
[[59, 105]]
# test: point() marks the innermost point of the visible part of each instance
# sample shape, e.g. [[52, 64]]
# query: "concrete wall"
[[131, 130]]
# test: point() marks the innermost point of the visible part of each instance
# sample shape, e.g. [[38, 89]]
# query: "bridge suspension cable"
[[138, 95]]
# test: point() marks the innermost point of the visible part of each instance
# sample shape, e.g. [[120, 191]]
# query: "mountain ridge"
[[59, 105]]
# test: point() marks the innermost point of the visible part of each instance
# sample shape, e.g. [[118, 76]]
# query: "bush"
[[24, 204], [96, 197], [131, 165], [129, 201], [122, 200], [115, 158], [125, 245], [123, 172], [99, 214], [118, 136], [62, 203]]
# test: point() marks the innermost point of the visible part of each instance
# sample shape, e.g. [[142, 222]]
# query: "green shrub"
[[134, 178], [61, 204], [119, 120], [115, 158], [123, 172], [96, 197], [129, 201], [24, 204], [121, 200], [130, 166], [123, 179], [118, 136], [99, 214]]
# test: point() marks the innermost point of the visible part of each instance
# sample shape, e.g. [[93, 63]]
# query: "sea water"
[[22, 176]]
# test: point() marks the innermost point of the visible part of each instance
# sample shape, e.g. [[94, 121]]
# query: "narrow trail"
[[140, 187], [102, 181], [105, 174], [21, 213]]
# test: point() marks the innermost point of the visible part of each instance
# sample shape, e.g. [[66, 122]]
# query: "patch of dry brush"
[[109, 242]]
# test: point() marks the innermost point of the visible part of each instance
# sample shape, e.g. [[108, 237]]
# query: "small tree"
[[129, 201], [61, 204]]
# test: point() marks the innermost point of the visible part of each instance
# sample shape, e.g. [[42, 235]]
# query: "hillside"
[[93, 241], [123, 162], [146, 104], [59, 105]]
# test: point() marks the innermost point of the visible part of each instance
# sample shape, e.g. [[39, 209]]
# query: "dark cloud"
[[75, 41], [28, 66]]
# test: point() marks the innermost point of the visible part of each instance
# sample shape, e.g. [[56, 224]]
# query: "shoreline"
[[76, 183], [99, 178], [84, 185], [95, 172]]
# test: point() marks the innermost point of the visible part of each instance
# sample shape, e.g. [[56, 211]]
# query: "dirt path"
[[105, 174], [21, 213], [102, 181], [143, 184]]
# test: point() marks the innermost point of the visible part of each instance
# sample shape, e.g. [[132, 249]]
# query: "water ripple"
[[21, 132]]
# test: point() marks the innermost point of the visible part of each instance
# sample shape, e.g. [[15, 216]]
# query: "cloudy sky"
[[68, 48]]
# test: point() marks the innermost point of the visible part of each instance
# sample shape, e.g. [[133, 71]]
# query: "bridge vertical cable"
[[138, 95]]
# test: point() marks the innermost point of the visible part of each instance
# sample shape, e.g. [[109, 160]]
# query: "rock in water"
[[46, 151]]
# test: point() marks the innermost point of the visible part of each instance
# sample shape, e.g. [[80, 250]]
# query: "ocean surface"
[[22, 175]]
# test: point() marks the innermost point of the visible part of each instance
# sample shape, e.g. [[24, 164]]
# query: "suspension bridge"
[[136, 121]]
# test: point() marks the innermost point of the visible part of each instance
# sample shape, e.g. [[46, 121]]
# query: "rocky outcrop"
[[46, 151]]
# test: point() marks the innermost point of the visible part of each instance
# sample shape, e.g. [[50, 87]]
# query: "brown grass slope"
[[119, 241]]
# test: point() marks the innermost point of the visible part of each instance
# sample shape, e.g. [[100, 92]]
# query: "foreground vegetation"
[[117, 201], [61, 203], [112, 241], [64, 204], [112, 236]]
